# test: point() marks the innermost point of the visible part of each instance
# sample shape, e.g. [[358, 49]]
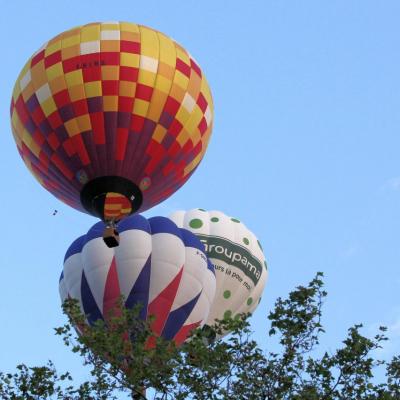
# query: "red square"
[[122, 140], [175, 127], [182, 67], [52, 59], [129, 47], [109, 58], [38, 115], [143, 92], [202, 102], [110, 88], [71, 64], [137, 123], [80, 107], [125, 104], [129, 74], [53, 141], [55, 120], [171, 106], [91, 74], [61, 98], [202, 126]]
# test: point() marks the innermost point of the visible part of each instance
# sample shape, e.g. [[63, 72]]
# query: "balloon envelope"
[[111, 118], [237, 256], [157, 265]]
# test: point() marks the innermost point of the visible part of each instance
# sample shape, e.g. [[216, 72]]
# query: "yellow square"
[[127, 89], [109, 45], [167, 50], [163, 84], [48, 106], [181, 80], [195, 136], [72, 40], [182, 115], [195, 119], [93, 89], [74, 78], [146, 77], [76, 92], [156, 107], [16, 91], [109, 72], [182, 138], [54, 71], [32, 146], [166, 70], [140, 107], [177, 93], [84, 123], [110, 27], [70, 52], [159, 133], [194, 85], [129, 28], [130, 36], [110, 103], [72, 127], [52, 48], [57, 85], [182, 54], [90, 33], [28, 92], [129, 60], [38, 74], [14, 119]]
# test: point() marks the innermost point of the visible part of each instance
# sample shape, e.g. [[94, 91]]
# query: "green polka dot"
[[265, 265], [235, 220], [227, 314], [227, 294], [236, 317], [249, 301], [259, 245], [196, 223], [214, 219], [246, 241], [201, 209]]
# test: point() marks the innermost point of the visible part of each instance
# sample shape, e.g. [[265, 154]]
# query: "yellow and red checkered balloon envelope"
[[111, 118]]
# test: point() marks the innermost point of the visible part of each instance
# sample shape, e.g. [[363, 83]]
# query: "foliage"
[[124, 356]]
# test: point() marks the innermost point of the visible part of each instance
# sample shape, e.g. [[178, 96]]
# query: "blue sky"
[[305, 151]]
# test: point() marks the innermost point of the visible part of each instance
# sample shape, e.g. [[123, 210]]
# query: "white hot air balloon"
[[237, 256]]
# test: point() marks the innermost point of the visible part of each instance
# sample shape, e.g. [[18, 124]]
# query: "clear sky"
[[305, 151]]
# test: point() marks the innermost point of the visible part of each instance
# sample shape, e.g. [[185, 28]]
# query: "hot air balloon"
[[111, 118], [157, 265], [237, 256]]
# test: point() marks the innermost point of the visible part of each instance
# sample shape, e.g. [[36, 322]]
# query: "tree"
[[121, 360]]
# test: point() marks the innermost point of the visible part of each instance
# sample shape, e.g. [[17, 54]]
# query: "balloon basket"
[[111, 237]]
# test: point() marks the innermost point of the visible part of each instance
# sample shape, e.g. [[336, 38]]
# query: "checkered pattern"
[[111, 99]]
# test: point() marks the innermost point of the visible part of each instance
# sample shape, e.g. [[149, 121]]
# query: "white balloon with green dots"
[[238, 258]]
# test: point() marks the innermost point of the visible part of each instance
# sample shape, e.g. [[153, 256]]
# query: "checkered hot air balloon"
[[237, 256], [157, 265], [111, 118]]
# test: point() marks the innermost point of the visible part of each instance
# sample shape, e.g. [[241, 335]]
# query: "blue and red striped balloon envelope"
[[157, 265]]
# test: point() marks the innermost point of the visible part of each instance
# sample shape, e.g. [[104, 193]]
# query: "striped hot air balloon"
[[157, 265], [237, 256], [111, 118]]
